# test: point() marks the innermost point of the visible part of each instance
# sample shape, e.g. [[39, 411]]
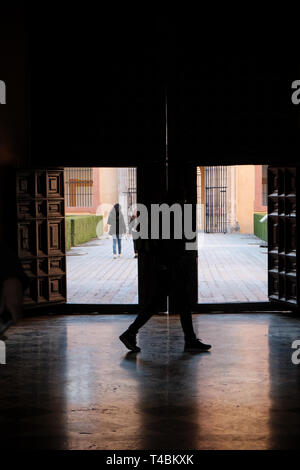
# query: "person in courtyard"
[[117, 228], [168, 264], [133, 230]]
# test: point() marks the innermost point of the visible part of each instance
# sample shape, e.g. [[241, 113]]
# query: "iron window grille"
[[264, 185], [131, 187], [79, 187]]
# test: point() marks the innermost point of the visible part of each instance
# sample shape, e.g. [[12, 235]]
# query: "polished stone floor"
[[68, 383]]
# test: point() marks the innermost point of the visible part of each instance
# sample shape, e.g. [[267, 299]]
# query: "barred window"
[[131, 187], [79, 187]]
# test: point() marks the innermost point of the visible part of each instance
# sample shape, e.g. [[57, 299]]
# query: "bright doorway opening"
[[232, 234], [94, 274]]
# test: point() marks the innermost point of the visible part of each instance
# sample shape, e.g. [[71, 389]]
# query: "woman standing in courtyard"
[[117, 228], [133, 230]]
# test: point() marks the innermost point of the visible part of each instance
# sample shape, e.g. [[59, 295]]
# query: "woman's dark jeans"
[[117, 240]]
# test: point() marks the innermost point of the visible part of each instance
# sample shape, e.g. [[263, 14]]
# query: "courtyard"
[[231, 268]]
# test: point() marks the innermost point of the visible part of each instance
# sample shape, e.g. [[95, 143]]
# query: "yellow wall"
[[108, 183], [108, 192], [245, 197]]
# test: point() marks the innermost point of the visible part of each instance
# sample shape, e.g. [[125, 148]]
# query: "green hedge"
[[82, 228], [68, 233], [260, 229]]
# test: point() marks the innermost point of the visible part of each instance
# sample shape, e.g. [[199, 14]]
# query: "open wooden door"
[[151, 189], [41, 234], [282, 236], [183, 187]]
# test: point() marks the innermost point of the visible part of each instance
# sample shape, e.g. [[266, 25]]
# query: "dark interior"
[[104, 90]]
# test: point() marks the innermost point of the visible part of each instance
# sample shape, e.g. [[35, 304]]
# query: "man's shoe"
[[196, 346], [129, 340]]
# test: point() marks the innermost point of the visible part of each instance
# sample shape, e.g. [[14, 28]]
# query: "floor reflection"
[[70, 384], [167, 398], [32, 400], [285, 383]]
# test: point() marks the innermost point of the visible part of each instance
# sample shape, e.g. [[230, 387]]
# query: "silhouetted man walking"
[[168, 267]]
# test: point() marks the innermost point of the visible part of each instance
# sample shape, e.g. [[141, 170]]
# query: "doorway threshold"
[[242, 307]]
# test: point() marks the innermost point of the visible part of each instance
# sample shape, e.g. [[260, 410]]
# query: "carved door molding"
[[282, 235], [41, 234]]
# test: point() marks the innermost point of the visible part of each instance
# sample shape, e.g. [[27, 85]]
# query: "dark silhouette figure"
[[133, 230], [168, 268], [117, 228], [13, 282]]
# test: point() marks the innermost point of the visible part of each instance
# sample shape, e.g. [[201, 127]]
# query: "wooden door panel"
[[55, 208], [291, 289], [25, 184], [30, 267], [273, 283], [282, 235], [26, 239], [54, 184], [56, 265], [57, 288], [40, 184], [41, 208], [30, 294], [26, 210], [41, 234], [56, 238], [43, 295], [42, 267], [291, 236]]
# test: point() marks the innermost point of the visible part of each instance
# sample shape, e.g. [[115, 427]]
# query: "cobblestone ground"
[[231, 268], [94, 277]]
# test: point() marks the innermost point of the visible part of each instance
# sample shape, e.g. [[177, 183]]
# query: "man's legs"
[[141, 320], [180, 282], [187, 325], [181, 287], [190, 338], [129, 336], [180, 278], [151, 306]]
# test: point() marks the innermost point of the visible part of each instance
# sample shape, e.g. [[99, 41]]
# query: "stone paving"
[[94, 277], [231, 268]]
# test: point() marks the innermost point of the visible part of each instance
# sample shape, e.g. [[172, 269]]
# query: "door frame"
[[145, 194], [230, 307]]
